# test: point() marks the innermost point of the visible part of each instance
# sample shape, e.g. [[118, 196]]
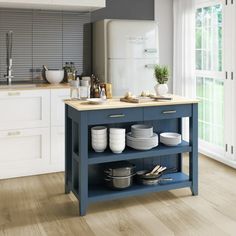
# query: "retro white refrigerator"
[[124, 54]]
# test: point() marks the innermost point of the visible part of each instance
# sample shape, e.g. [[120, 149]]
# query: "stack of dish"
[[170, 139], [117, 140], [141, 131], [119, 175], [99, 138], [142, 137]]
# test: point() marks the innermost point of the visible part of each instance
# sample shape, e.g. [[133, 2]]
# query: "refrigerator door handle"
[[150, 66], [150, 50]]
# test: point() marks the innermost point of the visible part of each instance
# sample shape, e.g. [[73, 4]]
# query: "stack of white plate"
[[170, 139], [117, 140], [99, 138], [142, 137], [142, 131]]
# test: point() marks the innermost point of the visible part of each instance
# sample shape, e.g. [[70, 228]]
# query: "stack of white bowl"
[[142, 137], [99, 138], [117, 140]]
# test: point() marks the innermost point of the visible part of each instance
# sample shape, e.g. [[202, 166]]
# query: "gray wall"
[[164, 17], [45, 38], [126, 9]]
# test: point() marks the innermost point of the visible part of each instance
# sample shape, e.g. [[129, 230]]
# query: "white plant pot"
[[161, 89]]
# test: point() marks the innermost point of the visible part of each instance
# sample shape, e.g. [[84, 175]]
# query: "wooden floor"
[[37, 206]]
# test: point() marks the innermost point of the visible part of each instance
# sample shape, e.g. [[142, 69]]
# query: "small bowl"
[[117, 143], [170, 139], [99, 141], [99, 130], [117, 149], [117, 131], [118, 136], [54, 76], [99, 136], [98, 147]]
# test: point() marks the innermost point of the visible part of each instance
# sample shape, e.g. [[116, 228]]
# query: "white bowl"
[[119, 136], [117, 148], [99, 130], [117, 131], [99, 141], [96, 101], [54, 76], [117, 139], [99, 147], [99, 136], [170, 139], [116, 143]]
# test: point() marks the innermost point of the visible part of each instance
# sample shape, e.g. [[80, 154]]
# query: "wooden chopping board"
[[145, 99]]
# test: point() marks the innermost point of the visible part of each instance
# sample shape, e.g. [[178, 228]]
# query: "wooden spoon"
[[153, 171]]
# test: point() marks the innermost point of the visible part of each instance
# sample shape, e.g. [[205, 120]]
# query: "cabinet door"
[[58, 147], [24, 109], [24, 152], [58, 106]]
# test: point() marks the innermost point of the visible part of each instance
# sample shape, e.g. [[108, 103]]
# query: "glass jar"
[[74, 90]]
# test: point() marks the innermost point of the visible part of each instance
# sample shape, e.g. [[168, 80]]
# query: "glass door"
[[210, 77]]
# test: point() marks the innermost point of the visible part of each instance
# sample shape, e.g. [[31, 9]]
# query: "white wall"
[[164, 17]]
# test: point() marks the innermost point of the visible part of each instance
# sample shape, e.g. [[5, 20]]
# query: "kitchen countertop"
[[34, 86], [116, 103]]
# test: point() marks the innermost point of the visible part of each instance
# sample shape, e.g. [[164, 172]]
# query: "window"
[[209, 73]]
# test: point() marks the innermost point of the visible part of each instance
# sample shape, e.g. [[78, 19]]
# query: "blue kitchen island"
[[84, 167]]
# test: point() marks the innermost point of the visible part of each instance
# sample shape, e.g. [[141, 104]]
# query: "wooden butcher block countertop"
[[116, 103]]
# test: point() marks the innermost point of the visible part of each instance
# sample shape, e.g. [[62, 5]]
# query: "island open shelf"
[[84, 168], [129, 154], [98, 193]]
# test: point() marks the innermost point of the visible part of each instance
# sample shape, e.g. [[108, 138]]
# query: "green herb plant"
[[161, 74]]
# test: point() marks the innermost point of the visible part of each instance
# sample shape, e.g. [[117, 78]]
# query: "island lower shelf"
[[98, 193]]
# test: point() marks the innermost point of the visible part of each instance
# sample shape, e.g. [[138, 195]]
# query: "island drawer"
[[115, 116], [167, 112]]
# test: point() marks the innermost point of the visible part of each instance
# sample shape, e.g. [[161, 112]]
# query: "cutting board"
[[137, 100], [145, 99]]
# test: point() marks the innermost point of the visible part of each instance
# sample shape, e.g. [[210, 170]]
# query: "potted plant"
[[162, 76]]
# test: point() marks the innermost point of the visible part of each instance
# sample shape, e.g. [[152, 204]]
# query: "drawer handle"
[[13, 94], [14, 133], [169, 112], [117, 116]]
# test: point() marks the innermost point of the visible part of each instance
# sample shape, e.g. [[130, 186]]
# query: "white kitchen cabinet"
[[24, 152], [74, 5], [32, 135], [24, 109], [58, 127], [58, 107], [58, 147]]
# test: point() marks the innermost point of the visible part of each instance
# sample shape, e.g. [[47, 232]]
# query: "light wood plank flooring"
[[37, 206]]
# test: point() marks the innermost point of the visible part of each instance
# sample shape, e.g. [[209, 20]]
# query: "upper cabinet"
[[69, 5]]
